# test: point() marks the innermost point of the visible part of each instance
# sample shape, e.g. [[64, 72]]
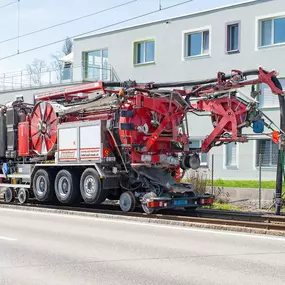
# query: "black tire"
[[91, 188], [43, 185], [66, 187], [9, 195], [23, 196], [127, 201]]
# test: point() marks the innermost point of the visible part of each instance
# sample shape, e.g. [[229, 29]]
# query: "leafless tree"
[[68, 46], [37, 67], [66, 49], [35, 70]]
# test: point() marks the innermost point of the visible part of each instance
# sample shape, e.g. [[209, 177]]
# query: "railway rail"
[[267, 222]]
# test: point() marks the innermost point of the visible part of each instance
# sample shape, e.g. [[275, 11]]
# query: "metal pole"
[[212, 173], [279, 166], [259, 193], [21, 80]]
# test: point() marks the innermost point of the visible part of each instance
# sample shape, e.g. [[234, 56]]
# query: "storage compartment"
[[80, 141], [23, 139]]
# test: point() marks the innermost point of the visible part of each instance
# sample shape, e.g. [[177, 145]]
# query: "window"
[[203, 156], [197, 43], [267, 98], [272, 31], [233, 37], [144, 52], [266, 153], [96, 65], [231, 154]]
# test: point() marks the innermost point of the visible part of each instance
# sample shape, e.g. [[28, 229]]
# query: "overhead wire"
[[101, 28], [67, 22], [8, 4], [18, 26]]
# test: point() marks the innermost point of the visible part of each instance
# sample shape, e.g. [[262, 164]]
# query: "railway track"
[[259, 221]]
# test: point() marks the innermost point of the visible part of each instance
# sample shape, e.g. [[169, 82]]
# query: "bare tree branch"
[[56, 63], [68, 46], [35, 70], [37, 67]]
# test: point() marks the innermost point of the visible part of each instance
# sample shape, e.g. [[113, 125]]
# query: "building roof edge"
[[207, 11]]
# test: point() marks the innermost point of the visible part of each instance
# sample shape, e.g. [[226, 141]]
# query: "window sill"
[[232, 51], [231, 167], [269, 107], [266, 168], [144, 64], [271, 46], [185, 58]]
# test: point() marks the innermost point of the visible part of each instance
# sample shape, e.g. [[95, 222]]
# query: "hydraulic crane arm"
[[163, 106]]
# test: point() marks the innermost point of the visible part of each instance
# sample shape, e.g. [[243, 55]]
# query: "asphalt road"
[[44, 248]]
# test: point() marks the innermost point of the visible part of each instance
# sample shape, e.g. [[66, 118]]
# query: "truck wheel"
[[9, 195], [127, 202], [91, 188], [66, 187], [43, 185], [23, 196]]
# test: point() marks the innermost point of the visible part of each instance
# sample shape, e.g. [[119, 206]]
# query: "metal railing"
[[48, 77]]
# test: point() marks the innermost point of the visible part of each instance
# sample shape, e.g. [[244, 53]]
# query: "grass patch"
[[224, 206], [243, 184]]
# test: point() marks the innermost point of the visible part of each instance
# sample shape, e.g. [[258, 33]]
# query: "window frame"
[[101, 66], [256, 154], [261, 94], [135, 51], [230, 167], [258, 30], [227, 36], [185, 35]]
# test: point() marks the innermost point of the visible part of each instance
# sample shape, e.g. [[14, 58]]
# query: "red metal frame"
[[228, 113]]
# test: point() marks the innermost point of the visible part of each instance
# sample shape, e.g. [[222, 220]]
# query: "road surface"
[[45, 248]]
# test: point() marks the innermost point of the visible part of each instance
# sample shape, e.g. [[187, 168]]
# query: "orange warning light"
[[107, 152], [276, 137]]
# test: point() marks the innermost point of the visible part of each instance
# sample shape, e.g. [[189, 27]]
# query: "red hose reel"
[[43, 128]]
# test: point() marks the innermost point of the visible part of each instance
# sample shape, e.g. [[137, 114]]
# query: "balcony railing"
[[49, 77]]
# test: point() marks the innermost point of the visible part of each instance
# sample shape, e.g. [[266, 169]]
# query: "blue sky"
[[36, 14]]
